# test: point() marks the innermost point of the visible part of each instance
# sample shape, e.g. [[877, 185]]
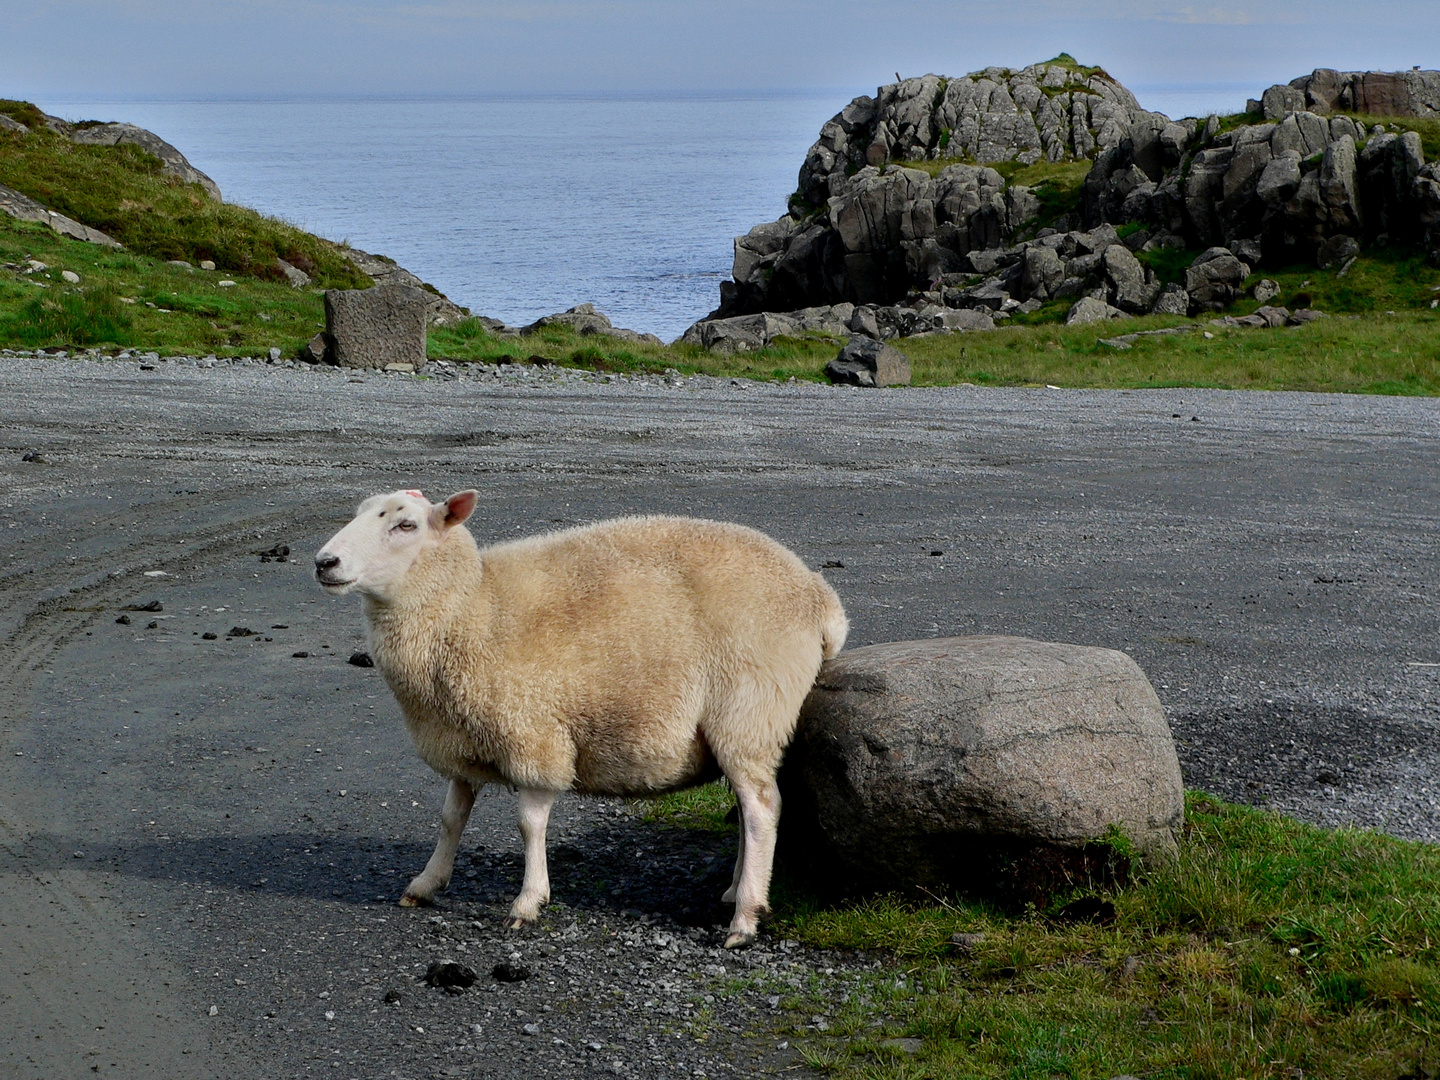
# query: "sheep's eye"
[[407, 525]]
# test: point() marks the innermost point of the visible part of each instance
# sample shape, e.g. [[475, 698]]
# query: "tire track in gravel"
[[80, 990]]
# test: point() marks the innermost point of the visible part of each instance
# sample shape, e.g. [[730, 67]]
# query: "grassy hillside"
[[121, 191]]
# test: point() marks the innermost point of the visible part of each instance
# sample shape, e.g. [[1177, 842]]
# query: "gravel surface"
[[202, 831]]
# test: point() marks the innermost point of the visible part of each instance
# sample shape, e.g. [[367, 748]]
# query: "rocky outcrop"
[[1052, 112], [23, 208], [585, 319], [1376, 93], [916, 762], [867, 230]]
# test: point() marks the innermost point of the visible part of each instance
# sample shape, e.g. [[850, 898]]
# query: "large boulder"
[[915, 762], [377, 327], [867, 362]]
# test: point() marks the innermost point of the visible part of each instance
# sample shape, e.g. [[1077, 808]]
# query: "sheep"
[[630, 657]]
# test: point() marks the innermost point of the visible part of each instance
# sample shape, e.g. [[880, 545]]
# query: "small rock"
[[301, 655], [123, 620], [152, 625], [33, 457], [207, 264], [214, 1010], [209, 635], [833, 564], [867, 362], [361, 659], [1088, 310], [240, 631], [274, 354], [1265, 290], [448, 975], [179, 264], [531, 1029], [392, 997], [507, 971], [225, 284], [70, 276], [966, 942], [153, 605], [1328, 777], [904, 1045]]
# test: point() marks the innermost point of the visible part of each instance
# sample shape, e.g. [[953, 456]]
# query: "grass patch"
[[121, 190], [1267, 948], [111, 307], [706, 807]]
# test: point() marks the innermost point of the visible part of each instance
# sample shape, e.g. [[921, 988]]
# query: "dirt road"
[[189, 823]]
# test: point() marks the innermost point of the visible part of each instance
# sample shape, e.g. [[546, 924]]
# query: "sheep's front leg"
[[534, 811], [759, 821], [458, 802]]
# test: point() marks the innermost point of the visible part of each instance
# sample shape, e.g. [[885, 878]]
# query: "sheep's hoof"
[[737, 940], [411, 900], [520, 924]]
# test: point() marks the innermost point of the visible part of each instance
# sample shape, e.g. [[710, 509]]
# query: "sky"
[[128, 49]]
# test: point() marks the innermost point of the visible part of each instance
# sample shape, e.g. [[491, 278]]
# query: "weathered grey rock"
[[1043, 273], [298, 278], [1132, 289], [23, 208], [913, 757], [1089, 310], [377, 327], [867, 362], [1265, 290], [1378, 93], [1215, 278], [317, 350], [1336, 251], [1172, 300], [9, 124]]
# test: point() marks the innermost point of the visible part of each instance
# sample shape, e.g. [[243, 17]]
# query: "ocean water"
[[518, 207]]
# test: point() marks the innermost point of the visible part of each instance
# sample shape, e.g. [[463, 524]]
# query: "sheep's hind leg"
[[534, 811], [759, 820], [728, 896], [458, 802]]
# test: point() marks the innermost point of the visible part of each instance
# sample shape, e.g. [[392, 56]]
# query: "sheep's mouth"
[[331, 583]]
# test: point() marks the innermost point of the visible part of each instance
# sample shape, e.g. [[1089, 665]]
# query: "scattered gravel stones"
[[360, 659]]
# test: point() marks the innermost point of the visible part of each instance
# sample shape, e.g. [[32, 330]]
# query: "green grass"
[[1268, 948], [191, 313], [706, 807], [121, 191]]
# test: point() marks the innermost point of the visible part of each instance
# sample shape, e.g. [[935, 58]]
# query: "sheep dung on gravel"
[[630, 657]]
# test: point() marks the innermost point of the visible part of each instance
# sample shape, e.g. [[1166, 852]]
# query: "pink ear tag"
[[416, 494]]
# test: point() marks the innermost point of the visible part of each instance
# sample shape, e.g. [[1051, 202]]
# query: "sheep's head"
[[375, 551]]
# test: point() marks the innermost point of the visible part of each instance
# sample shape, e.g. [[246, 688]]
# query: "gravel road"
[[201, 837]]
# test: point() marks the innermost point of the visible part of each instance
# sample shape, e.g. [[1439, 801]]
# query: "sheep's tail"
[[833, 623]]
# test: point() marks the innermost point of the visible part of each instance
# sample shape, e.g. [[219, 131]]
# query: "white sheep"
[[630, 657]]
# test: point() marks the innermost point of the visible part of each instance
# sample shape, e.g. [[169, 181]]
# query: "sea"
[[518, 207]]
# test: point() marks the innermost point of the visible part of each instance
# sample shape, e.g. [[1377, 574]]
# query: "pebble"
[[70, 276]]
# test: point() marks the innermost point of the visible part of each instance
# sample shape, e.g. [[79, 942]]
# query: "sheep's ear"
[[454, 510]]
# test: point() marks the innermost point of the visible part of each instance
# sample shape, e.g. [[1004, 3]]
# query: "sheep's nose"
[[325, 561]]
